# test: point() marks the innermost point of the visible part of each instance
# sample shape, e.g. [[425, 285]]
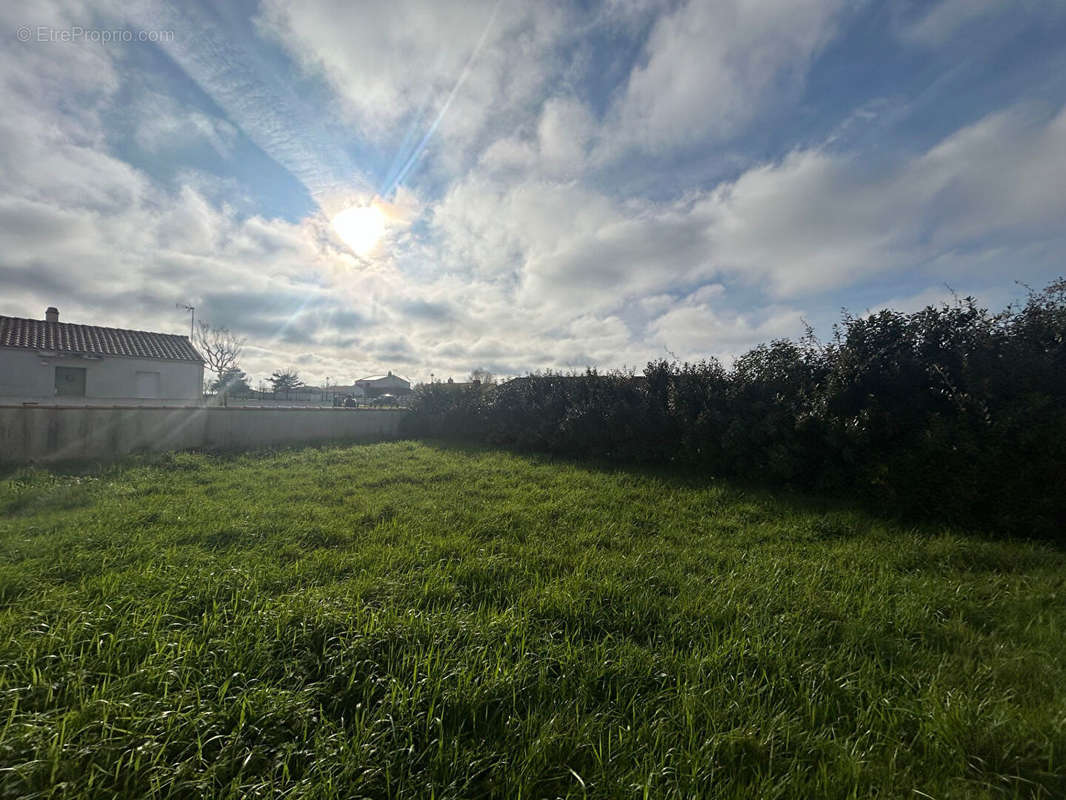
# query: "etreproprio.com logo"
[[76, 33]]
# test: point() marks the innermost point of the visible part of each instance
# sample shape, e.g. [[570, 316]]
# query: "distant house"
[[377, 385], [49, 361]]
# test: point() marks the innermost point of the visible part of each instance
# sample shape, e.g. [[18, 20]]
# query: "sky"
[[551, 185]]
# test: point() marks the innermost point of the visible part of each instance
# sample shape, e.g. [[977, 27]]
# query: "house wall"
[[58, 433], [354, 391], [27, 376]]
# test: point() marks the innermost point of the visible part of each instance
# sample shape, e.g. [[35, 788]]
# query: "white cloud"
[[383, 61], [712, 65], [695, 328], [821, 221], [565, 246], [814, 222], [83, 230], [557, 145], [944, 19], [481, 66], [528, 259], [592, 340], [163, 125], [1001, 176], [564, 133], [708, 69], [308, 139]]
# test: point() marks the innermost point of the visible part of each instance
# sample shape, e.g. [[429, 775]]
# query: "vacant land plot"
[[402, 620]]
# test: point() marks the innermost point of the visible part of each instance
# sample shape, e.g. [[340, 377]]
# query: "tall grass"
[[406, 620]]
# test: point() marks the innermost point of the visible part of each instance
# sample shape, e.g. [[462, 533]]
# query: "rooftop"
[[382, 377], [64, 337]]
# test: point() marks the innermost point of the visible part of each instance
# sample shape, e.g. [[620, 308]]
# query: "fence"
[[56, 433], [296, 399]]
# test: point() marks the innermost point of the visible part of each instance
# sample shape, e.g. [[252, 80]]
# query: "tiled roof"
[[63, 337]]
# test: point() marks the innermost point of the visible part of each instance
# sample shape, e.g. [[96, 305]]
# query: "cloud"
[[813, 223], [479, 66], [564, 133], [695, 328], [83, 230], [163, 126], [557, 144], [427, 310], [503, 79], [350, 44], [818, 221], [520, 252], [302, 136], [710, 66], [944, 19], [563, 245]]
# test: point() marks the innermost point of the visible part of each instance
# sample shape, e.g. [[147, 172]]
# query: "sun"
[[361, 227]]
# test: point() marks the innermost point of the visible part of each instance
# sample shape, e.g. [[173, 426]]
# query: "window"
[[70, 381], [148, 385]]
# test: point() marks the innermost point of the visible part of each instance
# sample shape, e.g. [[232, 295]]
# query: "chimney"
[[51, 314]]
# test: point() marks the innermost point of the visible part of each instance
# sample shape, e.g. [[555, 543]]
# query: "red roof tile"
[[63, 337]]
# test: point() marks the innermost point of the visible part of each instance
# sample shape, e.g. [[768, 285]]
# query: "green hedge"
[[952, 412]]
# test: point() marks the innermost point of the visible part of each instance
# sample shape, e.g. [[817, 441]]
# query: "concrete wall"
[[26, 375], [56, 433]]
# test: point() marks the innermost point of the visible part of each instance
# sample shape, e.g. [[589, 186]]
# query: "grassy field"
[[403, 620]]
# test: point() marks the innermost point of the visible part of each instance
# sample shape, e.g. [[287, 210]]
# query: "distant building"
[[49, 361], [377, 385]]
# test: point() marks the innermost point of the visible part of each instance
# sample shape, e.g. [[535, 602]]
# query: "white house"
[[377, 385], [48, 361]]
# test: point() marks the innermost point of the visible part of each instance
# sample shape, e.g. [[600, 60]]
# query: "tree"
[[482, 376], [232, 381], [220, 347], [285, 381]]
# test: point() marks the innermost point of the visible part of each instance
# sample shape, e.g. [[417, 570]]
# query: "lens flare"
[[361, 228]]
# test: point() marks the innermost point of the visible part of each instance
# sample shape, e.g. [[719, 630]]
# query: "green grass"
[[404, 620]]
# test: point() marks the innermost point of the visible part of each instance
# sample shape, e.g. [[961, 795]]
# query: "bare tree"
[[220, 347], [483, 376]]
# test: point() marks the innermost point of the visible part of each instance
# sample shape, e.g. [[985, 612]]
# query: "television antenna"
[[192, 318]]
